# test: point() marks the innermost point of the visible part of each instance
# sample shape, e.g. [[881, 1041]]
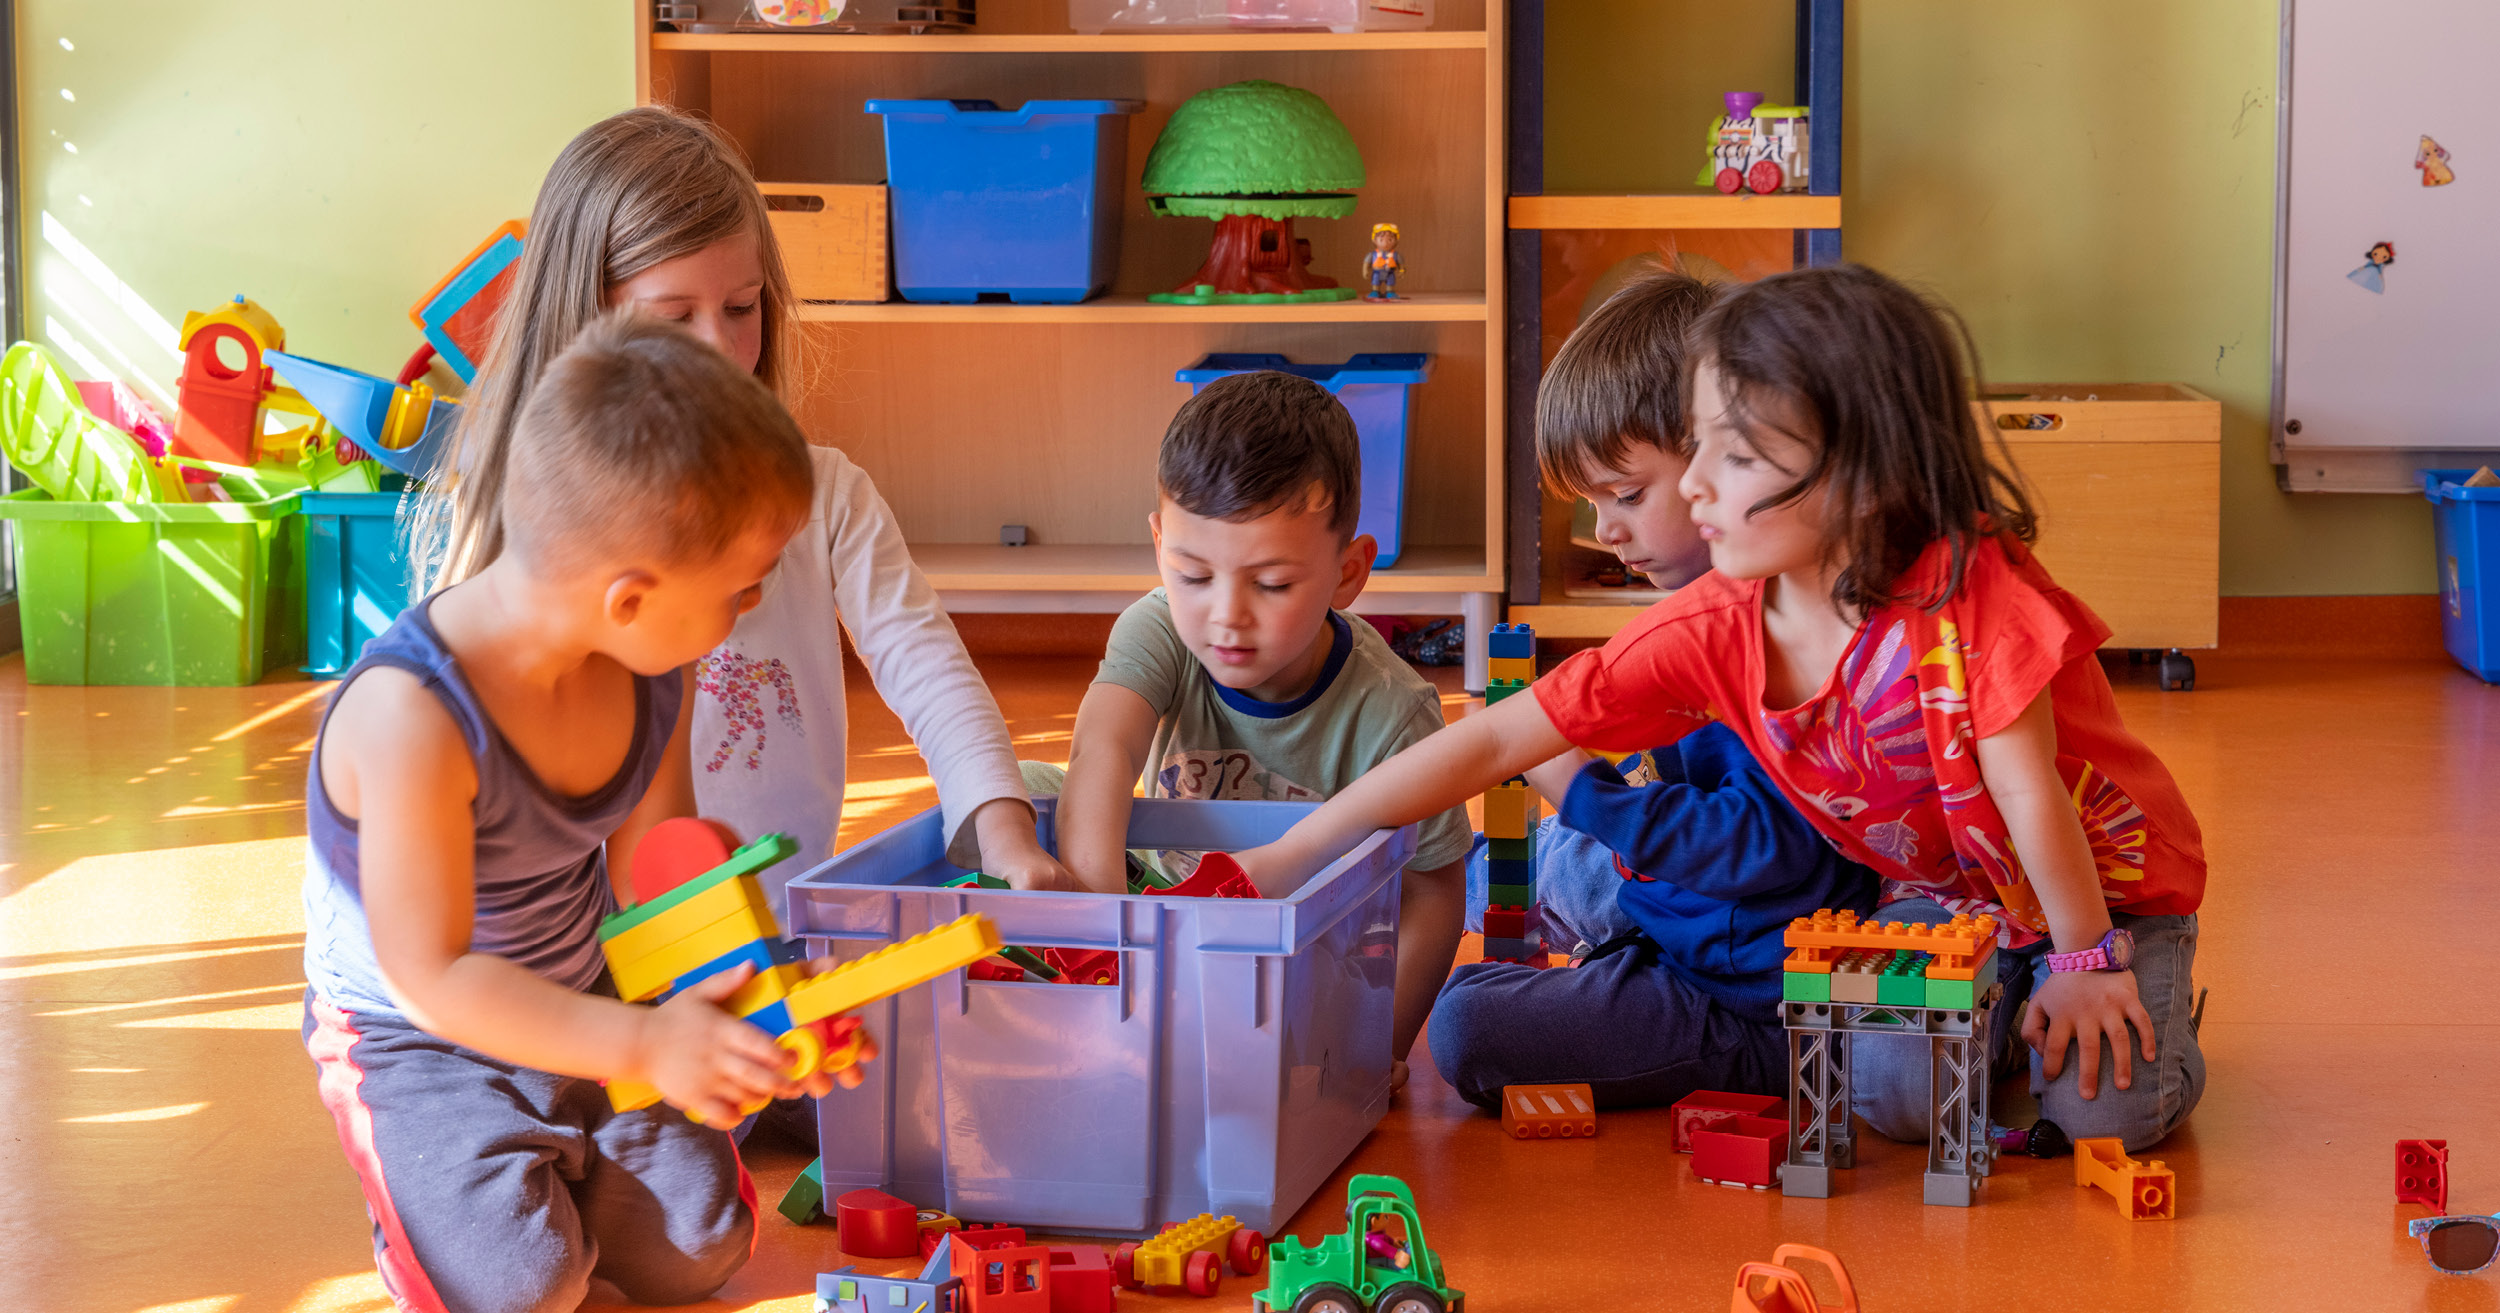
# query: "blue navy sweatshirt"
[[1715, 863]]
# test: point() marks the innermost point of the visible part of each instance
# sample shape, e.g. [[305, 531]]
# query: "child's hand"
[[706, 1061], [2084, 1006], [1012, 851]]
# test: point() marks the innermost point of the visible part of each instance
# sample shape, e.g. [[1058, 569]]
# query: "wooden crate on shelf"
[[832, 238]]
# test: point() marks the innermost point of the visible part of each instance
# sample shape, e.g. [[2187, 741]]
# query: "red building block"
[[1217, 876], [1741, 1150], [1080, 1280], [874, 1224], [677, 850], [1084, 966], [1709, 1107], [1506, 923], [2422, 1173], [1009, 1279]]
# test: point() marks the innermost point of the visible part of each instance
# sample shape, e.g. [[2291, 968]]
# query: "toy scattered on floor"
[[1548, 1112], [1745, 1151], [2422, 1173], [2372, 274], [874, 1224], [2043, 1139], [1845, 978], [1254, 156], [2145, 1191], [1383, 266], [719, 919], [849, 1290], [1513, 921], [1703, 1108], [804, 1202], [2432, 159], [2459, 1246], [1756, 147], [1338, 1274], [1080, 1279], [1191, 1255], [1779, 1287], [997, 1277], [457, 315]]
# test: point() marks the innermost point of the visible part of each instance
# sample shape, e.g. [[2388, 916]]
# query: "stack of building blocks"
[[1742, 1151], [1548, 1112], [1513, 930], [2422, 1173], [2145, 1191], [1846, 977], [1704, 1108], [720, 919]]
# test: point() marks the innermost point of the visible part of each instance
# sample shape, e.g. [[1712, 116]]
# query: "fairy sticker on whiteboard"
[[2432, 159], [2382, 254]]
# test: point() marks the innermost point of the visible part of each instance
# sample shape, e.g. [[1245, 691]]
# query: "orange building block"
[[2145, 1191], [1957, 946], [1548, 1112]]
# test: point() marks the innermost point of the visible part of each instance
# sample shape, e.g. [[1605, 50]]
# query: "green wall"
[[329, 160], [2091, 185]]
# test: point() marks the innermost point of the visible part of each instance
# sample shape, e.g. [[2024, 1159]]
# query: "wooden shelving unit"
[[974, 417]]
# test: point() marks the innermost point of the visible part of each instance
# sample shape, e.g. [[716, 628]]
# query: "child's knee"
[[2159, 1095], [548, 1273], [1465, 1018], [666, 1274]]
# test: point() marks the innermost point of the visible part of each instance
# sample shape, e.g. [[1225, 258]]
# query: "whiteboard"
[[2370, 385]]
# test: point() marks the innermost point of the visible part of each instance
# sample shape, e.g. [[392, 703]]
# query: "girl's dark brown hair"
[[1880, 382]]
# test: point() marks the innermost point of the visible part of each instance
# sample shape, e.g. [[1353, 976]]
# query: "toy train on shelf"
[[1756, 147]]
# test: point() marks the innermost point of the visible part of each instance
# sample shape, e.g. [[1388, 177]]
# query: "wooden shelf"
[[1130, 567], [1696, 209], [1062, 43], [1576, 619], [1422, 307]]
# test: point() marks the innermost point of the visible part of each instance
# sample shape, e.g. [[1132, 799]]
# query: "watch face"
[[2120, 946]]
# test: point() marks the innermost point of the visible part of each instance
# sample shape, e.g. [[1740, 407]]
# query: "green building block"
[[1510, 850], [1963, 995], [1497, 689], [1903, 981], [1509, 895], [1805, 987], [805, 1204]]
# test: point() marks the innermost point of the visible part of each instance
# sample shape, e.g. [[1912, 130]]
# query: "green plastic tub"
[[124, 593]]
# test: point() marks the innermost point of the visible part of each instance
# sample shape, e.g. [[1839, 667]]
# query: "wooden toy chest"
[[833, 238]]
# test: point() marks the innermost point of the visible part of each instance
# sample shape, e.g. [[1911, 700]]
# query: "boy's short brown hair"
[[1249, 444], [1620, 378], [640, 438]]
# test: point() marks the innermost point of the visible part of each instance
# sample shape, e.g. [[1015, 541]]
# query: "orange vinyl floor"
[[164, 1149]]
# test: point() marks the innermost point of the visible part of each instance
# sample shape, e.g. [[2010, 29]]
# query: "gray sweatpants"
[[494, 1188]]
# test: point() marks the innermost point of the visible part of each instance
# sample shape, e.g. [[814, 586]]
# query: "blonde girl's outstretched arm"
[[920, 668], [1439, 773]]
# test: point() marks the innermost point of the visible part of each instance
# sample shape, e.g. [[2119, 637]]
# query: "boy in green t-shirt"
[[1240, 677]]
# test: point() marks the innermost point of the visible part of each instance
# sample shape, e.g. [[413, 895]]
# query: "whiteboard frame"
[[2304, 467]]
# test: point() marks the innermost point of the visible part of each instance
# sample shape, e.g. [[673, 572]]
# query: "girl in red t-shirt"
[[1876, 630]]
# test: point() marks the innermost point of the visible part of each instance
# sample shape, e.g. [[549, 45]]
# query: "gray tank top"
[[542, 881]]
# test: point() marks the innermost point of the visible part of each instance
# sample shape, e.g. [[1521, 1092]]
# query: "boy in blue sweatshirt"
[[1676, 872]]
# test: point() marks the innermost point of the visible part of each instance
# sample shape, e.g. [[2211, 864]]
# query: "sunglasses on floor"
[[2459, 1246]]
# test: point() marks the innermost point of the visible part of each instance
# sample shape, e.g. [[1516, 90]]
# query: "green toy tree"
[[1254, 156]]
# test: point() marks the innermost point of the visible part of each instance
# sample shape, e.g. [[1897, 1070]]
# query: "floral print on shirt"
[[739, 683]]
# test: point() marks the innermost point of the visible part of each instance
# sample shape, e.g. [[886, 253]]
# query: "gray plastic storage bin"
[[1243, 1055]]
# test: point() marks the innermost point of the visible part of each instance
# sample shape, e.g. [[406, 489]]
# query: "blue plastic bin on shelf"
[[1241, 1058], [2466, 522], [1005, 204], [356, 574], [1373, 387]]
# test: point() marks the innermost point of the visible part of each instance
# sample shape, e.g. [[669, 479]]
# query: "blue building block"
[[1511, 641], [1503, 870], [765, 954]]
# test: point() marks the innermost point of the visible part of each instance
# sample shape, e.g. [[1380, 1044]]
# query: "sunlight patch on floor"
[[139, 900], [167, 1113], [361, 1293]]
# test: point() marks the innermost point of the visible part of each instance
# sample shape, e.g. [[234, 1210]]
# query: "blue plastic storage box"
[[1373, 387], [357, 577], [1241, 1058], [1005, 204], [2466, 522]]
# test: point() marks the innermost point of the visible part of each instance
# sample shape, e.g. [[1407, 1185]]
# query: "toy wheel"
[[1409, 1297], [1764, 177], [1728, 181], [1203, 1275], [807, 1052], [1327, 1298], [1247, 1252], [1124, 1266]]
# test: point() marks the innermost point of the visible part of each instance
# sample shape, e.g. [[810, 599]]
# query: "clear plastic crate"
[[1241, 1058], [1250, 15]]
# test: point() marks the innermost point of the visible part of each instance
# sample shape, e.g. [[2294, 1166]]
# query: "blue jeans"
[[1888, 1078], [1635, 1032]]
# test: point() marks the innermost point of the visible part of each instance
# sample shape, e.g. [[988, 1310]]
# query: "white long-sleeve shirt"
[[770, 740]]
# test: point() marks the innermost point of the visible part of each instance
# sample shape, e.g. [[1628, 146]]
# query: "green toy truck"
[[1378, 1264]]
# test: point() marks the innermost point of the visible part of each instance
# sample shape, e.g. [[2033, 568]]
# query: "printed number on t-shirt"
[[1227, 774]]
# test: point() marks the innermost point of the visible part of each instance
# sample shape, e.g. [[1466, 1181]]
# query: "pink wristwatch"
[[2114, 953]]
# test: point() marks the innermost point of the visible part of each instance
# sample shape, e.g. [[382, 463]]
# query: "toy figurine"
[[2371, 273], [1383, 264]]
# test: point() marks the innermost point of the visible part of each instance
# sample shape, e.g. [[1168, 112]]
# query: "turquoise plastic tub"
[[357, 577], [2466, 522], [1240, 1059]]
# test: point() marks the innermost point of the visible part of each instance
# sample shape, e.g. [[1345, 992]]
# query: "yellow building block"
[[894, 968], [645, 976], [1521, 668], [695, 913], [1163, 1260], [768, 988], [1509, 812]]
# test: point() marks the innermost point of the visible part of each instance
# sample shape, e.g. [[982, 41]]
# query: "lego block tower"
[[1512, 925]]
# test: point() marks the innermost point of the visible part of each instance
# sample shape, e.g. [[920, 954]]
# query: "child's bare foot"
[[1397, 1075]]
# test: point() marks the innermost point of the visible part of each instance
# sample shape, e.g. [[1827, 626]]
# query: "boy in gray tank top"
[[482, 774]]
